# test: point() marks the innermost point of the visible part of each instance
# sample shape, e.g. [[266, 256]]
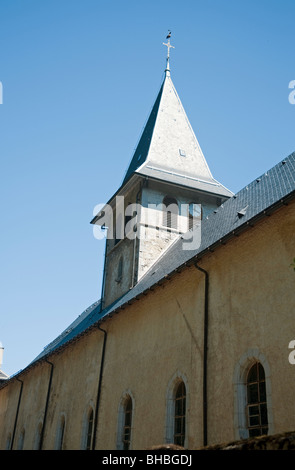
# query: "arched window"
[[252, 395], [179, 415], [127, 423], [176, 402], [125, 417], [170, 212], [89, 429], [256, 401], [194, 214]]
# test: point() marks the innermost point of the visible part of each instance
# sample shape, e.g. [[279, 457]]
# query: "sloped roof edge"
[[257, 200]]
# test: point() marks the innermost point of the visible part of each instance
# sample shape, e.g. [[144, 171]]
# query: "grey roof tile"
[[167, 135]]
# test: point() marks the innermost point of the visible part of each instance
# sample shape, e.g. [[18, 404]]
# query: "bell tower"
[[167, 188]]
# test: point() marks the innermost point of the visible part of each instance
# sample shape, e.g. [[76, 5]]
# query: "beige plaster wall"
[[251, 307], [33, 397], [74, 389], [160, 337], [154, 344]]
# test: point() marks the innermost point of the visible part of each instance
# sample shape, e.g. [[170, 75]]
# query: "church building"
[[191, 340]]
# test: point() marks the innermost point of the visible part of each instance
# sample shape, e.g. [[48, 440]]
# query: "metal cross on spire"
[[168, 52]]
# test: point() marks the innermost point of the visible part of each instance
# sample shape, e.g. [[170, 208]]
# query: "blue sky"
[[79, 79]]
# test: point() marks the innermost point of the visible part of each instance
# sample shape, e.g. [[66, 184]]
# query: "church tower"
[[168, 187]]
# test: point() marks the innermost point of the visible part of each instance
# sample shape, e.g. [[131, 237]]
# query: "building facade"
[[189, 342]]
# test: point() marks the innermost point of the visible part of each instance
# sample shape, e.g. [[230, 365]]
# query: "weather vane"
[[168, 51]]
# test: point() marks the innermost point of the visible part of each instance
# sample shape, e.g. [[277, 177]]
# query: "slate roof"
[[143, 145], [170, 176], [260, 198], [168, 148]]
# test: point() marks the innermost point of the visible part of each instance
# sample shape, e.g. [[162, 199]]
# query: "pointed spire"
[[168, 148], [167, 71]]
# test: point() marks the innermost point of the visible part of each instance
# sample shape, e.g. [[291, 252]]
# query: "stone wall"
[[282, 441]]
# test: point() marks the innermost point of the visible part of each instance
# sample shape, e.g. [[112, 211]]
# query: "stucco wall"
[[31, 391], [154, 345], [160, 337], [251, 308]]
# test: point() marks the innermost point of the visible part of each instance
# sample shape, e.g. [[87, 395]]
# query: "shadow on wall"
[[283, 441]]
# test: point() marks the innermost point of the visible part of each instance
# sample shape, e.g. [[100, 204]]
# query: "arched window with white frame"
[[252, 394], [125, 421], [179, 414], [170, 212], [87, 432], [176, 410], [89, 429], [257, 421]]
